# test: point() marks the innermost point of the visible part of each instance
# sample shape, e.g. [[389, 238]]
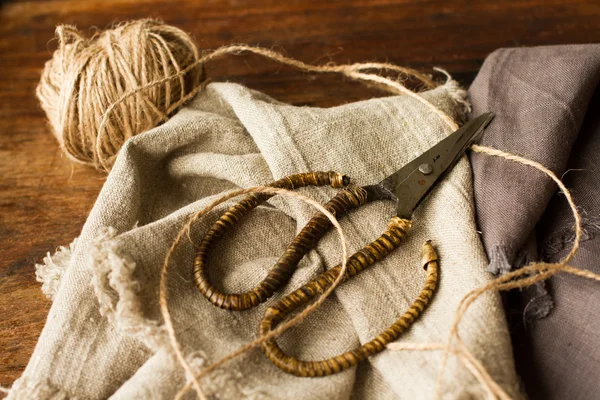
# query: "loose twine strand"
[[186, 231], [508, 281], [147, 70], [471, 363], [353, 71], [98, 92]]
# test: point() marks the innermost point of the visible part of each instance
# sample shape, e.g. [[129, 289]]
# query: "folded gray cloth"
[[546, 106]]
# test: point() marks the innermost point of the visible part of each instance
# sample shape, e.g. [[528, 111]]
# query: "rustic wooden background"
[[44, 199]]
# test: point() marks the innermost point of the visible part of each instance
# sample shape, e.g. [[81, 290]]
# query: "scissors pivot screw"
[[425, 169]]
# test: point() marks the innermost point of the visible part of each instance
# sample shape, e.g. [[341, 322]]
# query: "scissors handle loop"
[[361, 260], [348, 198], [280, 274]]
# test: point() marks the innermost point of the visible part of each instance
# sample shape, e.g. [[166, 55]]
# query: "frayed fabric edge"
[[499, 264], [26, 389], [456, 92], [565, 238], [541, 303], [117, 292], [50, 272]]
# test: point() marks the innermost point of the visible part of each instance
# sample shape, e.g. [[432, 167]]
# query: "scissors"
[[407, 187]]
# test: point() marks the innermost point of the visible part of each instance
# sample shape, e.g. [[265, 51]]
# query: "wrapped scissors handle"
[[347, 198], [358, 262], [282, 271], [408, 186]]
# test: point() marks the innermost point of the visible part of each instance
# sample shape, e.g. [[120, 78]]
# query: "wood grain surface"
[[44, 199]]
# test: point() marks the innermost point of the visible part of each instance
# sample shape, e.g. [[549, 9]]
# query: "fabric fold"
[[546, 105], [104, 338], [540, 97]]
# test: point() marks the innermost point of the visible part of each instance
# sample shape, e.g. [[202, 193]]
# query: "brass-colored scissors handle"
[[281, 273], [361, 260]]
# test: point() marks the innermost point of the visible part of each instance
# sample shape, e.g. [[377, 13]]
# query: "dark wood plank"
[[44, 199]]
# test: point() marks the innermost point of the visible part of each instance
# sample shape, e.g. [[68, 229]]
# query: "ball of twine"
[[86, 76]]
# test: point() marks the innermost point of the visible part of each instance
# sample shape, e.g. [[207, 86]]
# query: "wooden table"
[[44, 199]]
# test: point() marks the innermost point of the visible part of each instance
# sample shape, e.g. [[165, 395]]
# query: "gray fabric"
[[543, 101], [104, 334], [540, 96], [566, 345]]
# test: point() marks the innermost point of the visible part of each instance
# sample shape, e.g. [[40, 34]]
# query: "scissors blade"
[[414, 181]]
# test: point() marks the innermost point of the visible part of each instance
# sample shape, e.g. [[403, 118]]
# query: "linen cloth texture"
[[104, 335], [546, 102]]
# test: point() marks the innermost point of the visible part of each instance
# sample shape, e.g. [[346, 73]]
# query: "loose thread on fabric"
[[193, 380], [355, 71], [505, 281], [98, 92], [540, 270]]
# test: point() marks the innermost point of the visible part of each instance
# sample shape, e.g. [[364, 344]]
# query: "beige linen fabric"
[[104, 335]]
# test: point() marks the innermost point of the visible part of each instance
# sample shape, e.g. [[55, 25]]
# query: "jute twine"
[[276, 332], [87, 76], [520, 278], [98, 92]]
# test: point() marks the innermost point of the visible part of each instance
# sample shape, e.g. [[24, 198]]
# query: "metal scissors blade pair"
[[411, 184], [408, 187]]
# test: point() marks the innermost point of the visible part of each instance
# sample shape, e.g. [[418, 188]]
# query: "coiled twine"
[[88, 76]]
